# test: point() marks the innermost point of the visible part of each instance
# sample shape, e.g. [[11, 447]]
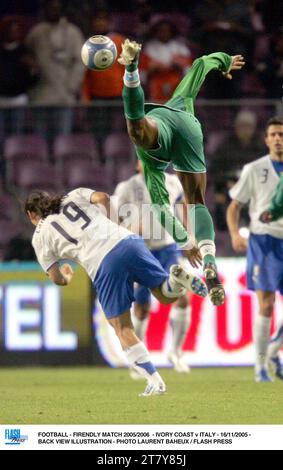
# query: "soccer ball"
[[99, 53]]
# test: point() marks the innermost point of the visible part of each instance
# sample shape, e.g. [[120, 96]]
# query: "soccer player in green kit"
[[171, 133]]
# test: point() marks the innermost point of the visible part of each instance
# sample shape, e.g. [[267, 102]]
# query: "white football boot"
[[130, 51], [193, 283]]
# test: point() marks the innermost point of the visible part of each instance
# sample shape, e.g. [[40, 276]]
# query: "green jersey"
[[180, 140], [276, 206]]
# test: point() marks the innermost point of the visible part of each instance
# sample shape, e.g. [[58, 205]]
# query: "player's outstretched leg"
[[133, 95], [194, 185], [137, 354], [140, 318]]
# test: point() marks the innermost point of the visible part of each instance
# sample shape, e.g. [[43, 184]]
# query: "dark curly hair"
[[274, 121], [43, 204]]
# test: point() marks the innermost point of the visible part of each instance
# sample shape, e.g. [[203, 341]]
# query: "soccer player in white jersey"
[[77, 227], [164, 249], [265, 246]]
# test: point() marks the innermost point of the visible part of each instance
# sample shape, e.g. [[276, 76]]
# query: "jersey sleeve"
[[44, 254], [191, 83], [276, 206], [83, 193], [241, 191], [155, 182]]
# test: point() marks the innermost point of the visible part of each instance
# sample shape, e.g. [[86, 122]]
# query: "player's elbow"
[[100, 198]]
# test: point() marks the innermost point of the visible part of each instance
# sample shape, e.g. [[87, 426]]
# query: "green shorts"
[[180, 140]]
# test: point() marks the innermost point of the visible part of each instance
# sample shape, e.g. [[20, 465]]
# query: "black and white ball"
[[99, 53]]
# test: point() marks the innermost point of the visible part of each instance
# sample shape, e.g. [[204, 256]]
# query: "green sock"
[[133, 95], [133, 66], [204, 231]]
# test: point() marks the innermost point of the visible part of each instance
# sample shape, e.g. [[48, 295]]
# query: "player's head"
[[40, 204], [274, 136], [245, 125], [164, 30], [10, 30]]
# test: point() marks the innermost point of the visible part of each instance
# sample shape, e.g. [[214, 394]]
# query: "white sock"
[[207, 247], [138, 357], [131, 79], [172, 289], [179, 321], [276, 341], [261, 340], [140, 326]]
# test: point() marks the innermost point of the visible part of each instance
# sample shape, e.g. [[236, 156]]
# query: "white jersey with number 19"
[[80, 232]]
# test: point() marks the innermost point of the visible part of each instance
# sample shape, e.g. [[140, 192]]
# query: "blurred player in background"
[[265, 246], [164, 249], [171, 133], [74, 227]]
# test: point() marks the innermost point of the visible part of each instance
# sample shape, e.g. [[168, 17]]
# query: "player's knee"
[[182, 302], [142, 311], [267, 308], [136, 132]]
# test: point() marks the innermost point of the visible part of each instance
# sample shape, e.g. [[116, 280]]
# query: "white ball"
[[99, 53]]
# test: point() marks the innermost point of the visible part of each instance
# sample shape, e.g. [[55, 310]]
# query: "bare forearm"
[[232, 217]]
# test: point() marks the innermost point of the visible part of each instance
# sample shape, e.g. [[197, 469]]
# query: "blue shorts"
[[265, 263], [128, 262], [166, 257]]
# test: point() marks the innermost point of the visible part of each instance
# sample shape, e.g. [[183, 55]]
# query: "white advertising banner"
[[217, 336]]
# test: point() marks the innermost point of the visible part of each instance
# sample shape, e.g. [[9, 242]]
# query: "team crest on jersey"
[[256, 271]]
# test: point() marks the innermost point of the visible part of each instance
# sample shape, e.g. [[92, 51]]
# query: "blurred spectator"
[[56, 45], [270, 70], [108, 84], [224, 26], [164, 60], [17, 74], [242, 146], [272, 14]]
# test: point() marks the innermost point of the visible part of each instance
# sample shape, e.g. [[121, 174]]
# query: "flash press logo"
[[13, 437]]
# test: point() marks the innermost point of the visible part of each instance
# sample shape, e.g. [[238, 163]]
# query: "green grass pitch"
[[92, 395]]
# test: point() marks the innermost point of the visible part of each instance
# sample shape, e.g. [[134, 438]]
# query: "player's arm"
[[104, 200], [61, 276], [193, 80], [232, 216], [275, 210], [155, 182]]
